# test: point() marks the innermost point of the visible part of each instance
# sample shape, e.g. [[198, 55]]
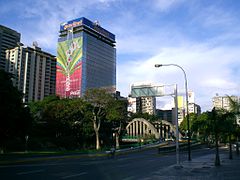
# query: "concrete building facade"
[[142, 105], [222, 102], [194, 108], [148, 105], [8, 39], [34, 71]]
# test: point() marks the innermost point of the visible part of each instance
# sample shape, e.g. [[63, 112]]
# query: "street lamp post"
[[177, 132], [186, 91]]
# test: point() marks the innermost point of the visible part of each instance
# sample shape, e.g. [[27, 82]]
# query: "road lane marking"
[[129, 178], [30, 172], [122, 165], [73, 175]]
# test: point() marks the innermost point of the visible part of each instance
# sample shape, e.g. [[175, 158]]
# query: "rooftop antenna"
[[35, 43], [97, 23]]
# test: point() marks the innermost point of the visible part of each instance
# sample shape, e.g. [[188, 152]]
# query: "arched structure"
[[165, 129], [140, 127]]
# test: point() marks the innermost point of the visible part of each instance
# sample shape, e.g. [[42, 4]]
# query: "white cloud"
[[164, 5], [204, 40], [209, 71], [49, 15], [214, 16]]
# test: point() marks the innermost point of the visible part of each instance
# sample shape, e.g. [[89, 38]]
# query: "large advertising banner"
[[69, 67]]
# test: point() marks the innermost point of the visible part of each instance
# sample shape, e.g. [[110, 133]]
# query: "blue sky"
[[202, 36]]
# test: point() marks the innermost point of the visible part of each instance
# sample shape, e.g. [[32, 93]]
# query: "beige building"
[[194, 108], [222, 102], [142, 105], [148, 105], [181, 108], [34, 70], [132, 105]]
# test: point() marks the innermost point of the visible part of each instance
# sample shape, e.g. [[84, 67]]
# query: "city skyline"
[[202, 37]]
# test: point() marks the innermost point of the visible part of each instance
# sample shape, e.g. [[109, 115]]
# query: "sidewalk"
[[202, 168]]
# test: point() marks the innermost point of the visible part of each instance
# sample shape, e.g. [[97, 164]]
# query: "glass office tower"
[[86, 58]]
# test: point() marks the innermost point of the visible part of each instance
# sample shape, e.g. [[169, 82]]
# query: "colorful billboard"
[[180, 102], [69, 67]]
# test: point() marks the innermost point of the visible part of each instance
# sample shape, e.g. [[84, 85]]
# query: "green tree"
[[99, 99], [215, 129], [234, 129], [117, 114], [183, 126], [15, 119], [212, 125], [230, 127], [63, 120], [201, 128]]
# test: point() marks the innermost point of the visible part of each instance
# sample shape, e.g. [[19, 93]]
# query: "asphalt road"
[[136, 165]]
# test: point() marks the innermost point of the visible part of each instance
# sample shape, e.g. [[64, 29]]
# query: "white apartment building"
[[34, 71], [132, 105], [222, 102], [148, 105], [194, 108]]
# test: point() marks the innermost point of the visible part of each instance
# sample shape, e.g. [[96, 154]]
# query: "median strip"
[[73, 175], [30, 172]]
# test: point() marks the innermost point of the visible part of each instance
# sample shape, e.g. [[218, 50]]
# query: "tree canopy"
[[15, 119]]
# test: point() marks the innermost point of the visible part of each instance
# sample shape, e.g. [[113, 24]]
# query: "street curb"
[[77, 156]]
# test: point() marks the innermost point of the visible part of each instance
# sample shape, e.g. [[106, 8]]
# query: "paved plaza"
[[202, 168]]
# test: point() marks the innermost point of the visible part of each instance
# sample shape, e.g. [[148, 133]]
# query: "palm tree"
[[210, 126], [215, 127], [235, 111], [228, 120]]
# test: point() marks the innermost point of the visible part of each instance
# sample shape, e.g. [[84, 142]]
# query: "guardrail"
[[137, 148], [172, 147]]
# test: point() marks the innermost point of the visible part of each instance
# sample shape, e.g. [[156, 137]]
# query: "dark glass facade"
[[8, 39], [100, 63]]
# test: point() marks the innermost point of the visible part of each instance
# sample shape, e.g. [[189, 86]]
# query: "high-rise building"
[[181, 109], [132, 104], [142, 105], [222, 102], [34, 71], [148, 105], [8, 39], [191, 97], [194, 108], [86, 58]]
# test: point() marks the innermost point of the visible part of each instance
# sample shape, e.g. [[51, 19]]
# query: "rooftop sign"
[[83, 21], [151, 90]]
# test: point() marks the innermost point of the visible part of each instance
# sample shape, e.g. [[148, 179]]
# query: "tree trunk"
[[96, 129], [237, 148], [217, 159], [230, 148], [117, 140], [118, 135], [97, 140]]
